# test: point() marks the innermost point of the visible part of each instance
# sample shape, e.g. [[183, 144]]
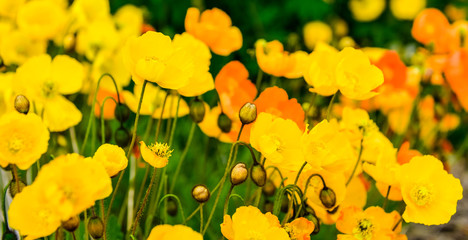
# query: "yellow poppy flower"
[[52, 17], [95, 37], [154, 57], [320, 73], [372, 223], [273, 60], [406, 10], [430, 193], [156, 155], [325, 147], [35, 215], [112, 157], [366, 10], [169, 232], [64, 187], [45, 80], [129, 20], [249, 222], [315, 32], [16, 47], [202, 80], [9, 8], [24, 138], [276, 138], [84, 12], [153, 100], [356, 77], [300, 229]]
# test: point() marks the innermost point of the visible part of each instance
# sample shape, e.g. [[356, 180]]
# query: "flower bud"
[[122, 137], [200, 193], [248, 113], [71, 224], [9, 236], [60, 234], [22, 104], [269, 188], [315, 220], [122, 112], [197, 110], [258, 175], [239, 174], [268, 206], [171, 207], [327, 197], [96, 227], [14, 188], [224, 123]]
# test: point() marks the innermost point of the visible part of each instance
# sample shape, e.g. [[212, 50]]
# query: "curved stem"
[[178, 203], [182, 156], [330, 106], [357, 163], [299, 173], [143, 204], [226, 202], [90, 118], [103, 132], [135, 126], [308, 180]]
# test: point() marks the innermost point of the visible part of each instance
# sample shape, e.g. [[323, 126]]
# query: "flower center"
[[48, 89], [15, 145], [161, 150], [421, 195], [364, 229]]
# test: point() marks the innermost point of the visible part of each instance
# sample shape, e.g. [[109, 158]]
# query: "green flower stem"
[[182, 157], [102, 216], [143, 204], [201, 217], [14, 170], [357, 162], [258, 197], [398, 223], [178, 203], [103, 132], [384, 205], [299, 173], [158, 127], [258, 82], [130, 148], [226, 202], [5, 217], [142, 186], [192, 214], [90, 118], [330, 106], [174, 124]]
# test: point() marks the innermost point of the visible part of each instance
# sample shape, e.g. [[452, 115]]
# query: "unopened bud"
[[201, 193], [258, 175], [224, 123], [14, 189], [71, 224], [9, 236], [171, 207], [122, 137], [22, 104], [327, 197], [269, 188], [248, 113], [96, 227], [239, 174], [197, 110], [122, 112], [315, 220]]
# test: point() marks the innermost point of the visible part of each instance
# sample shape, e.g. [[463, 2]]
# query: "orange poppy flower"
[[109, 107], [456, 73], [214, 27], [429, 26], [393, 69], [234, 88], [405, 154]]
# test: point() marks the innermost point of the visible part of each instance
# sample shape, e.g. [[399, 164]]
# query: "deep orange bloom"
[[109, 107], [405, 154], [456, 73], [431, 26], [214, 27], [234, 88], [393, 69]]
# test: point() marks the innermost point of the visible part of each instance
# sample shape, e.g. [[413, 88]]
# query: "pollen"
[[161, 150], [421, 195], [15, 145], [364, 229]]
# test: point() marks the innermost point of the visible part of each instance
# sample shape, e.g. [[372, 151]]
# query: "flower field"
[[238, 120]]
